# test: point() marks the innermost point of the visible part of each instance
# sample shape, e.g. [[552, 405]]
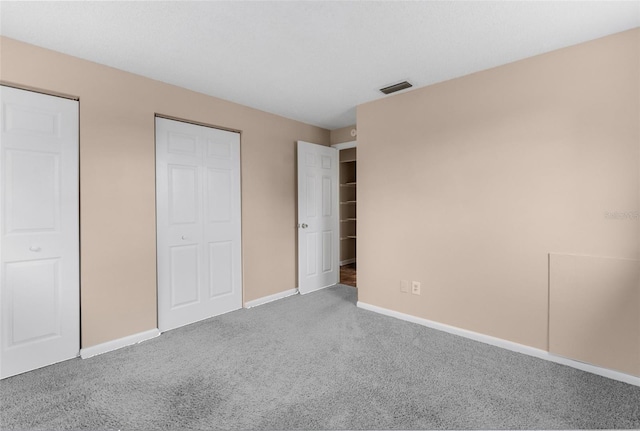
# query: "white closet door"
[[40, 242], [198, 222], [318, 231]]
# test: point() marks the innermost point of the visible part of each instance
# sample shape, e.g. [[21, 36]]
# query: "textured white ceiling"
[[312, 61]]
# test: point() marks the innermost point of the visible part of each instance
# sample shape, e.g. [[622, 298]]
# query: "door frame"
[[345, 146]]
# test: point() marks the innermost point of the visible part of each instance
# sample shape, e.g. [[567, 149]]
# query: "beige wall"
[[117, 207], [468, 185], [608, 316], [339, 136]]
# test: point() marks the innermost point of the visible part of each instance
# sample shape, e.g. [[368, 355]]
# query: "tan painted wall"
[[483, 176], [117, 208], [601, 297], [339, 136]]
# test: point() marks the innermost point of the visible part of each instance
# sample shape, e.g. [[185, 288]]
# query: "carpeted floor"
[[313, 362]]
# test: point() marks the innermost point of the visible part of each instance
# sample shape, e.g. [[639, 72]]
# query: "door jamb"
[[345, 145]]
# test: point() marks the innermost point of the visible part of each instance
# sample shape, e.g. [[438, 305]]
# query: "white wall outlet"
[[415, 287], [404, 286]]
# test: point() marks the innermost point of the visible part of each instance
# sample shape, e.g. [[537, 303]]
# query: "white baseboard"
[[270, 298], [318, 288], [119, 343], [347, 261], [509, 345]]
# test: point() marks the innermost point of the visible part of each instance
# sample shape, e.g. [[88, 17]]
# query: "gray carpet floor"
[[313, 362]]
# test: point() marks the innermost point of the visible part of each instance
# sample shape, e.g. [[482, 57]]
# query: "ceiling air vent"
[[396, 87]]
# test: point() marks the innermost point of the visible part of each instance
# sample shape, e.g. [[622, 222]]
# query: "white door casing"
[[198, 222], [39, 251], [318, 231]]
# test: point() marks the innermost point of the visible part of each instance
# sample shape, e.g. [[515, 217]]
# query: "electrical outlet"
[[404, 286], [415, 287]]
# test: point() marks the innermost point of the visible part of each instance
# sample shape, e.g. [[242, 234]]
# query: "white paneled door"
[[198, 222], [39, 252], [318, 233]]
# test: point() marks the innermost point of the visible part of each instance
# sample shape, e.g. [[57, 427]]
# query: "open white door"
[[39, 250], [198, 222], [318, 232]]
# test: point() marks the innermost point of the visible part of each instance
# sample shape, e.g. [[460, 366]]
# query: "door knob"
[[34, 248], [184, 237], [304, 226]]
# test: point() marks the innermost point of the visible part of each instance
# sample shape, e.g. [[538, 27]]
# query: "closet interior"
[[348, 215]]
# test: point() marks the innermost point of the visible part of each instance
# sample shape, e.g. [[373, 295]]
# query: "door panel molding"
[[201, 211], [318, 224]]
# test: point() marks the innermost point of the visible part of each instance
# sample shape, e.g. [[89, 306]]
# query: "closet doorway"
[[348, 204]]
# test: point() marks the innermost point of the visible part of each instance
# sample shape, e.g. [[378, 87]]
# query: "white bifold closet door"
[[39, 248], [198, 222]]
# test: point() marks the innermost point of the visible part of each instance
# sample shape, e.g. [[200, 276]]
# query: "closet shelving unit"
[[348, 205]]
